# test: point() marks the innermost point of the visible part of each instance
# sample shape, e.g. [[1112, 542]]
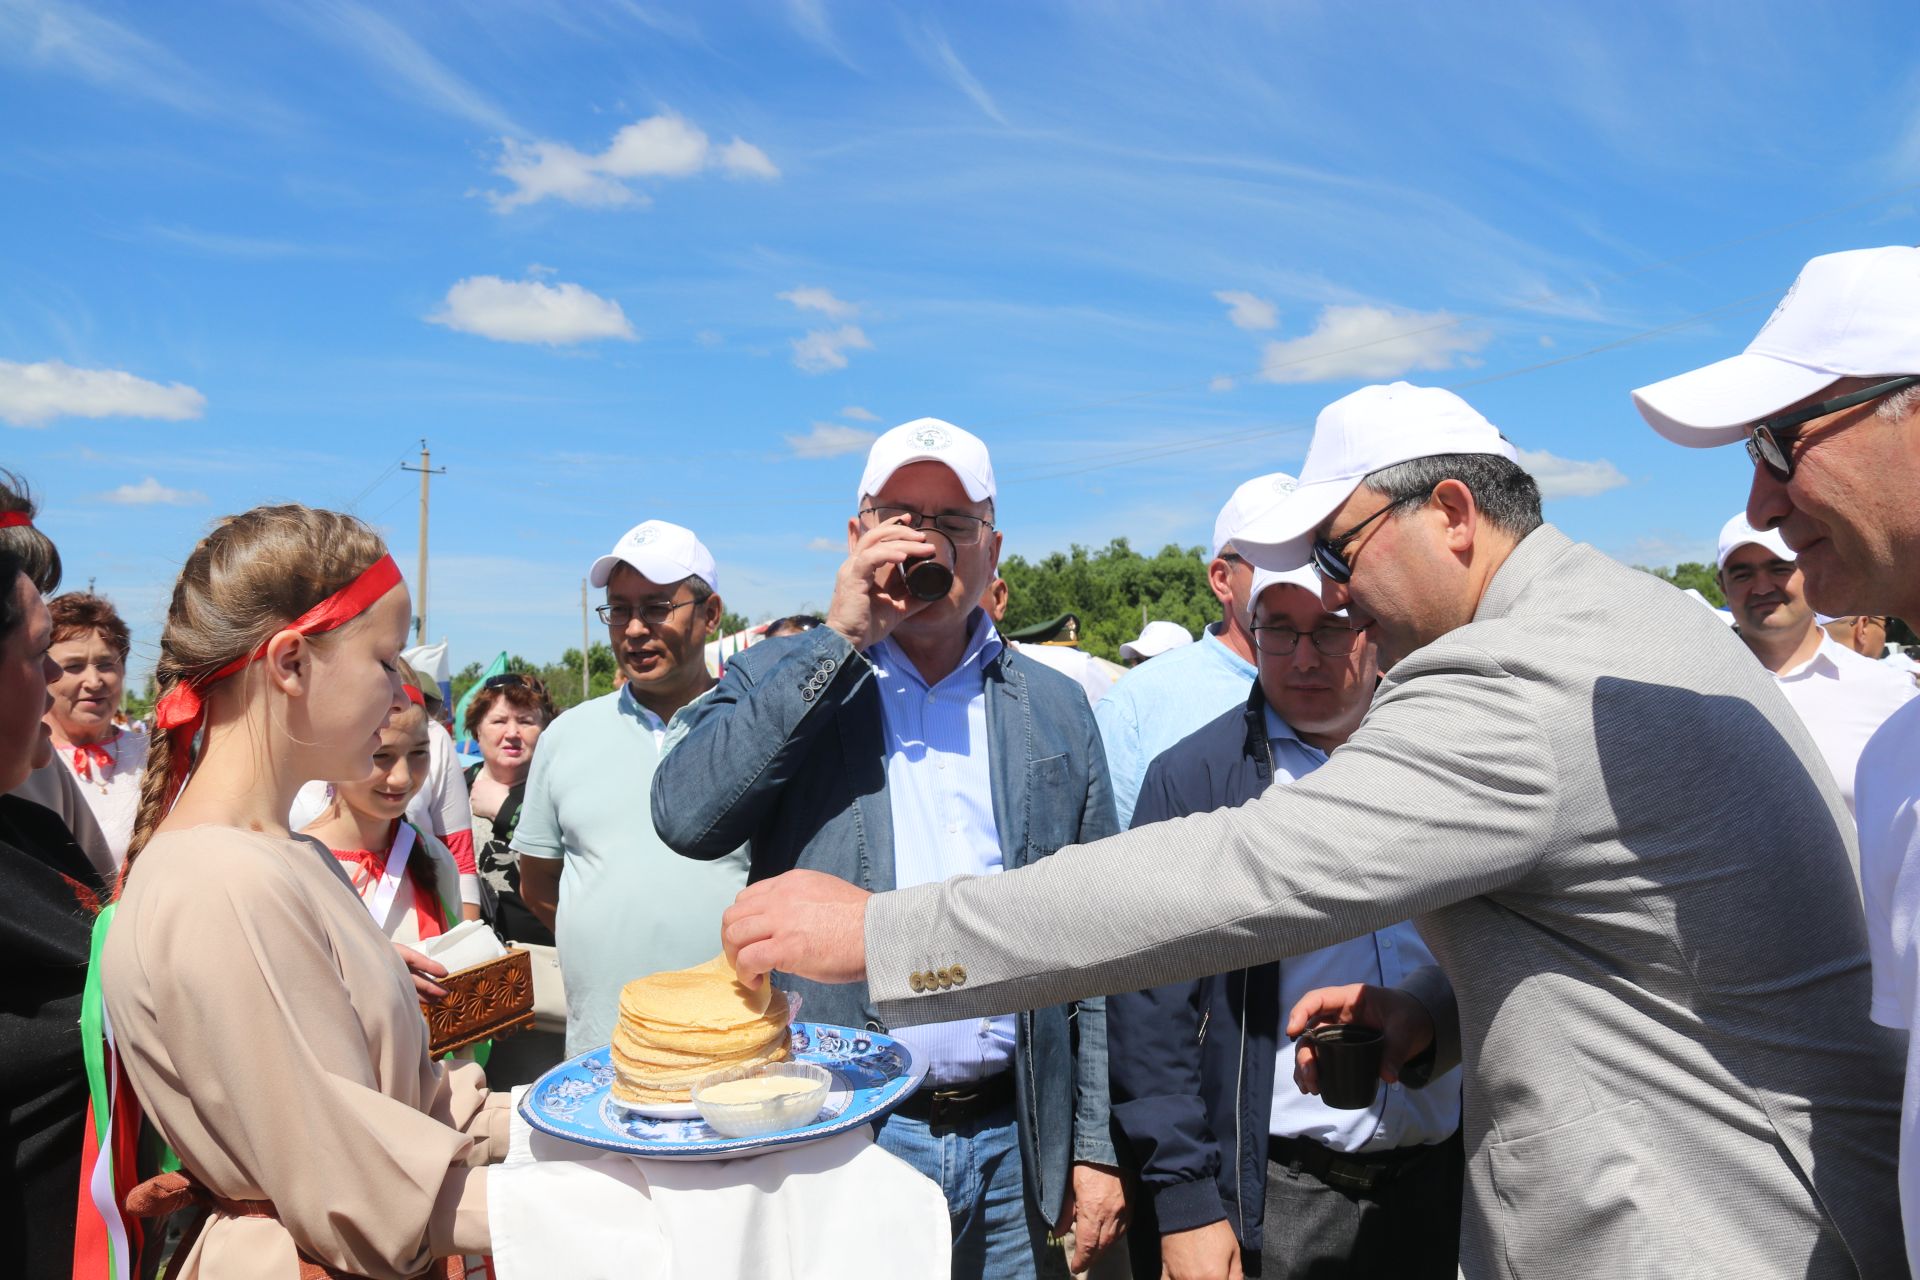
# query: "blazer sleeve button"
[[918, 982], [959, 975]]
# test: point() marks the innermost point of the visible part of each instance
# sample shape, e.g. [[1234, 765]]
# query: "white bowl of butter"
[[747, 1102]]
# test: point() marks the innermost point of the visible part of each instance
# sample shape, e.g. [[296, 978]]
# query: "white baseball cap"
[[1354, 437], [1737, 533], [929, 440], [1249, 502], [1848, 315], [660, 552], [1156, 638], [1303, 577]]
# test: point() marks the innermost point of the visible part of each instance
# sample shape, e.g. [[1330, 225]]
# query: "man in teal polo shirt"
[[620, 903]]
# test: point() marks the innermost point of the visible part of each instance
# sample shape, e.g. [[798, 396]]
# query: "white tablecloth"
[[795, 1213]]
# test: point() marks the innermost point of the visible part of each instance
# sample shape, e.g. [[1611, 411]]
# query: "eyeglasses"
[[963, 530], [1770, 440], [1278, 642], [1329, 554], [655, 613]]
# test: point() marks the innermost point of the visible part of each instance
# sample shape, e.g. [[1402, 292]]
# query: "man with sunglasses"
[[1827, 400], [1239, 1167], [1606, 821], [621, 904], [904, 743], [1840, 696]]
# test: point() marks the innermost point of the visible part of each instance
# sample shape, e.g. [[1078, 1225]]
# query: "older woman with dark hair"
[[505, 718], [90, 645], [51, 895]]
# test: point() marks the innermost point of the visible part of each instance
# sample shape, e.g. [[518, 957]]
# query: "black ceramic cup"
[[1348, 1057]]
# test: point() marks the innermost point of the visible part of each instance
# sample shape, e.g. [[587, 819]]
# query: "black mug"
[[1347, 1056]]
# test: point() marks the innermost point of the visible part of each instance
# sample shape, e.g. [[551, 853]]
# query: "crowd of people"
[[1626, 889]]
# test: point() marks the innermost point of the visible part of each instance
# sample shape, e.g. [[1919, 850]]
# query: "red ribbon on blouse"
[[429, 914], [15, 520], [89, 755], [181, 713]]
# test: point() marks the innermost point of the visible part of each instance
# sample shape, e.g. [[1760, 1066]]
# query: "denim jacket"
[[788, 756]]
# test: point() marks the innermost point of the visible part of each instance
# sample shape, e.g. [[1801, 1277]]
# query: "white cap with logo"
[[929, 440], [1249, 502], [1354, 437], [1848, 315], [1737, 533], [1304, 577], [660, 552], [1156, 638]]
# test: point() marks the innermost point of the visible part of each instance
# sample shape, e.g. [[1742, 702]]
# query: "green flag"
[[498, 667]]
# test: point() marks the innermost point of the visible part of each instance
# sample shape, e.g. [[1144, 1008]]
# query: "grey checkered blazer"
[[1630, 862]]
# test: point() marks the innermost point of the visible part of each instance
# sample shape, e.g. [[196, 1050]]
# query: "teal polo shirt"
[[629, 905]]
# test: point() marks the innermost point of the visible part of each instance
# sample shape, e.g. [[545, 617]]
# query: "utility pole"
[[426, 470], [586, 647]]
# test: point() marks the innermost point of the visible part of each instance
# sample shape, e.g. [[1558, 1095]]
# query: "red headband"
[[181, 713], [414, 695], [16, 520]]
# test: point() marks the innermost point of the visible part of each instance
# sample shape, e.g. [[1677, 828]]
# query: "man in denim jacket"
[[904, 714]]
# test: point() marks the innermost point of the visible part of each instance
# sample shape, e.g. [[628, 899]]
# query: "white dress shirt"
[[940, 792], [1399, 1117], [1843, 698]]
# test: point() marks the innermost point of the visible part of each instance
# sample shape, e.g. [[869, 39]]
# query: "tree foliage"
[[1692, 574], [1106, 589]]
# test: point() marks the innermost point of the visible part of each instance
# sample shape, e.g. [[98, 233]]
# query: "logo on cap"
[[932, 438], [1791, 290], [1284, 484], [641, 537]]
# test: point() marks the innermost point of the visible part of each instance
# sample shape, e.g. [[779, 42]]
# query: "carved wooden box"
[[487, 1000]]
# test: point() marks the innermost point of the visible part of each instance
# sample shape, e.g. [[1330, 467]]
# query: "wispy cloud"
[[32, 395], [814, 298], [824, 350], [529, 311], [411, 70], [1248, 311], [1370, 342], [831, 440], [151, 493], [56, 36], [809, 18], [662, 146], [1570, 478], [946, 60], [826, 544], [858, 414], [222, 244]]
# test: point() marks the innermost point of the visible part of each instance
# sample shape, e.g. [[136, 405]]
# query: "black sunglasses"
[[1329, 554], [1770, 440]]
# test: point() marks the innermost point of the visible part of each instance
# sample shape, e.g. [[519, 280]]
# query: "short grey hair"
[[1899, 405], [1508, 497]]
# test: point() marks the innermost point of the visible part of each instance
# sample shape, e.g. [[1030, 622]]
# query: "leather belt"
[[951, 1106], [1363, 1173]]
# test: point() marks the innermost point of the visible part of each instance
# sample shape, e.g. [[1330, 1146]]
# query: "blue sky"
[[619, 261]]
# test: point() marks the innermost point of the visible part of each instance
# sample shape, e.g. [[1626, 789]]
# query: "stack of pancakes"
[[677, 1028]]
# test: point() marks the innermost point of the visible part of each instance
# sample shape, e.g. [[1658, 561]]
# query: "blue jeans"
[[997, 1233]]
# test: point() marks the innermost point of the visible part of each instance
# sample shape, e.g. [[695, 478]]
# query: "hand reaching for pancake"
[[805, 923]]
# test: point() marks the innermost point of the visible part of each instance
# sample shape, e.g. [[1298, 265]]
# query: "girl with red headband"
[[263, 1020]]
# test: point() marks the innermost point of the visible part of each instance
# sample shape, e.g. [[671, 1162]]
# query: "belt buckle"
[[948, 1097], [1350, 1175]]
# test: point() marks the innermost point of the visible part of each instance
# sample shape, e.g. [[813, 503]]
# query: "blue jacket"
[[788, 756], [1193, 1062]]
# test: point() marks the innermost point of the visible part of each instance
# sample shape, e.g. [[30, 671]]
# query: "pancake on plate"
[[678, 1027]]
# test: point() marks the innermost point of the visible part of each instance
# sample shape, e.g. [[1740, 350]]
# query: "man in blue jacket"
[[906, 715], [1241, 1172]]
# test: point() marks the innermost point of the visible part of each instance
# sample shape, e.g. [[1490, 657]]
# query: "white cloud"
[[32, 395], [858, 414], [151, 493], [824, 350], [814, 298], [827, 544], [1568, 477], [1246, 310], [831, 440], [662, 146], [1222, 383], [1370, 342], [528, 311]]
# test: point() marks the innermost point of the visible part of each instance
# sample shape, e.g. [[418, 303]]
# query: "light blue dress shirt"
[[1399, 1117], [1160, 702], [940, 791]]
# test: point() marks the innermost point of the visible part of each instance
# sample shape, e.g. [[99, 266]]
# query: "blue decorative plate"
[[872, 1074]]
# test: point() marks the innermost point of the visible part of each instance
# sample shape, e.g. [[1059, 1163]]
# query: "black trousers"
[[1406, 1229]]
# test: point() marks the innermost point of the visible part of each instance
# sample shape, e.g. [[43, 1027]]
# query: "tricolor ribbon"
[[181, 713]]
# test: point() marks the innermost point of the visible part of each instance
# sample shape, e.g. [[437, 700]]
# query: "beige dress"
[[274, 1037]]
